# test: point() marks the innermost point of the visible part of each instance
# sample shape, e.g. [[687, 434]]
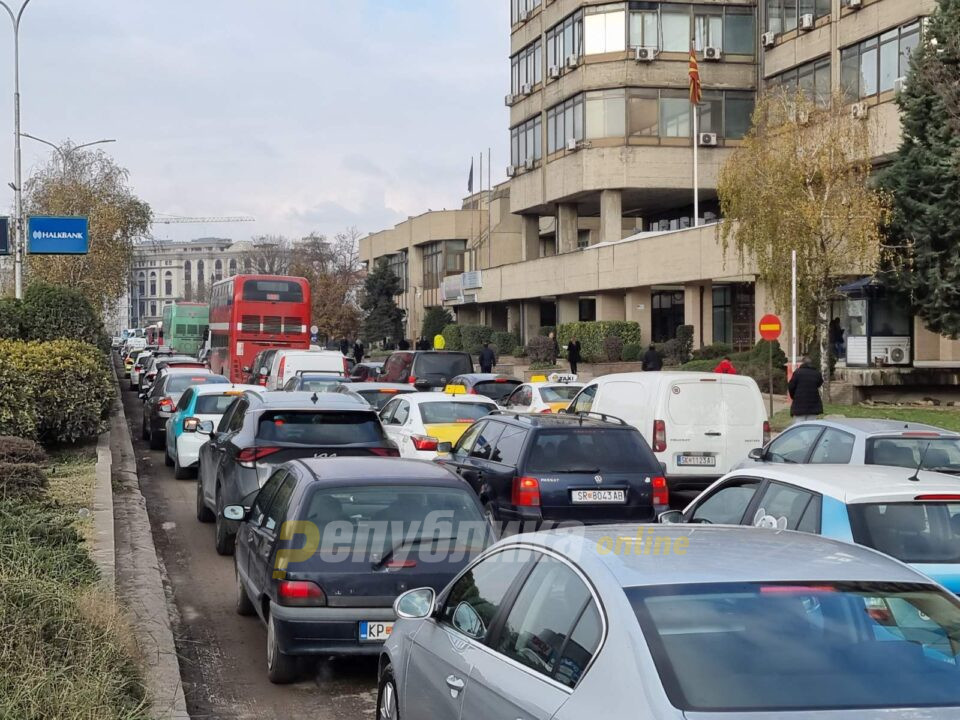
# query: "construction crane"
[[177, 220]]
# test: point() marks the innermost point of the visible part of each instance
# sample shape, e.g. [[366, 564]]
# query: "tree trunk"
[[823, 334]]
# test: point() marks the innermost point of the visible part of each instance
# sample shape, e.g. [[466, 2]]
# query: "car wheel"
[[156, 441], [388, 706], [224, 540], [281, 668], [203, 512], [244, 606], [167, 460], [180, 472]]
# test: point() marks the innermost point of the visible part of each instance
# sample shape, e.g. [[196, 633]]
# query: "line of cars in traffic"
[[341, 547]]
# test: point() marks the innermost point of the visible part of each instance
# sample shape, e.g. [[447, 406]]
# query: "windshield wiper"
[[403, 543]]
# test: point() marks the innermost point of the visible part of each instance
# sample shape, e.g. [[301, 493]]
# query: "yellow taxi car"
[[418, 422], [129, 361], [544, 394]]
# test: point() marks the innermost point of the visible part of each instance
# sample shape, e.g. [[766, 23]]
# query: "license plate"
[[598, 496], [700, 460], [374, 631]]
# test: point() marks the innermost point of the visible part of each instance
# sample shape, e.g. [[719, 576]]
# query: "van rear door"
[[745, 416], [694, 426]]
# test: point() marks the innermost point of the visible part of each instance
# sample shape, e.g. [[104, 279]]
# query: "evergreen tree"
[[382, 319], [435, 320], [922, 261]]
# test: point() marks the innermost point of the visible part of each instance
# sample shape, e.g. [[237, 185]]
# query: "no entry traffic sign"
[[770, 327]]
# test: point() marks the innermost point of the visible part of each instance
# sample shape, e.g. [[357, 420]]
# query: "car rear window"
[[940, 454], [496, 389], [590, 450], [213, 404], [914, 532], [379, 398], [179, 383], [436, 413], [320, 427], [560, 393], [443, 364], [779, 647], [272, 291], [320, 384]]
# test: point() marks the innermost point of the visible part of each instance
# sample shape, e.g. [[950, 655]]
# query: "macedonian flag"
[[695, 90]]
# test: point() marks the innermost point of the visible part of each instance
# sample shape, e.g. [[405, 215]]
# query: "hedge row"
[[54, 392], [592, 334], [52, 312], [752, 363]]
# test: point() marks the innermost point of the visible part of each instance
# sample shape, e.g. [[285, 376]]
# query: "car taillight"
[[661, 494], [138, 368], [546, 412], [412, 380], [346, 365], [526, 492], [300, 593], [424, 442], [659, 436], [385, 452], [166, 405], [938, 498], [283, 366], [766, 431], [399, 564], [472, 391], [248, 456]]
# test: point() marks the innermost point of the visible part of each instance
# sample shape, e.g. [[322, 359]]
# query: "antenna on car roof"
[[314, 398], [916, 473]]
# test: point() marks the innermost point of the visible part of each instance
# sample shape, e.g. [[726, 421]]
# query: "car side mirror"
[[415, 604], [191, 424], [670, 517], [205, 427], [757, 454], [234, 512], [263, 372], [445, 447]]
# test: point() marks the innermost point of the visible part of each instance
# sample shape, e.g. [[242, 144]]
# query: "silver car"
[[862, 442], [626, 622]]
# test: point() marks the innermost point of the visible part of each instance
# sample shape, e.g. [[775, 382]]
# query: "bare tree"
[[269, 255]]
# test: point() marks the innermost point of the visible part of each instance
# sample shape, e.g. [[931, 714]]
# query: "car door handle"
[[713, 434], [455, 684]]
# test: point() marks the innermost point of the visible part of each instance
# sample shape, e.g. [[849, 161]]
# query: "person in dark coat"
[[573, 354], [403, 344], [556, 349], [651, 360], [358, 351], [487, 359], [804, 390], [344, 347]]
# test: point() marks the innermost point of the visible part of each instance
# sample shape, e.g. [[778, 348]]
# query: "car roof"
[[321, 375], [721, 554], [665, 376], [878, 426], [355, 386], [857, 483], [424, 397], [556, 421], [548, 383], [305, 401], [220, 388], [483, 377], [377, 470]]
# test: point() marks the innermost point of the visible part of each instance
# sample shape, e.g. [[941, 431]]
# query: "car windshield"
[[437, 413], [559, 393], [320, 427], [214, 404], [496, 389], [779, 647], [375, 519], [914, 532], [320, 384], [179, 383], [444, 364], [940, 454], [378, 398], [592, 450]]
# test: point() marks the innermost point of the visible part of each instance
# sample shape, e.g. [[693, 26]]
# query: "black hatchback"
[[582, 468]]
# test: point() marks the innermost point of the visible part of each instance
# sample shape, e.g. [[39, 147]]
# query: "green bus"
[[185, 326]]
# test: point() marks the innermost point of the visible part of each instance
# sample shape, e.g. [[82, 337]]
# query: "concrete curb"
[[139, 578], [104, 547]]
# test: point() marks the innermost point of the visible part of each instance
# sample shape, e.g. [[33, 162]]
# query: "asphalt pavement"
[[223, 655]]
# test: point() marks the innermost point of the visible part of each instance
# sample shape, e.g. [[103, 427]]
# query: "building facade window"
[[587, 310], [606, 114], [565, 40], [733, 315], [707, 27], [399, 266], [873, 65], [520, 8], [526, 142], [442, 258], [218, 270], [813, 78], [153, 308], [565, 123], [201, 278], [583, 239], [153, 283], [784, 15], [168, 283], [604, 29], [141, 285], [739, 31], [675, 118], [232, 265], [526, 67], [666, 314]]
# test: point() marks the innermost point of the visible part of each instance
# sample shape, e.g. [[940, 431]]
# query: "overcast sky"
[[310, 115]]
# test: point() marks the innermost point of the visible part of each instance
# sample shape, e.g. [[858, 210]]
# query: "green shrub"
[[11, 319], [21, 480], [17, 413], [505, 342], [632, 352], [761, 352], [53, 312], [67, 385], [715, 351], [592, 334], [452, 337], [20, 450], [546, 365], [474, 336], [671, 352], [435, 319], [685, 339], [540, 351], [613, 349]]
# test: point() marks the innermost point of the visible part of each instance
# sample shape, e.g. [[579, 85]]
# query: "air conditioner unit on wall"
[[769, 39], [553, 72], [526, 89], [573, 145], [859, 111], [528, 165], [853, 4], [900, 84], [714, 54], [896, 351], [647, 54], [708, 139], [807, 21], [511, 171], [572, 61], [508, 100]]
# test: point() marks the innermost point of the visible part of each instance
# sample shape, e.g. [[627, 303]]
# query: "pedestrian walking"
[[344, 347], [358, 351], [404, 344], [556, 348], [651, 360], [804, 388], [573, 354], [487, 358], [725, 367]]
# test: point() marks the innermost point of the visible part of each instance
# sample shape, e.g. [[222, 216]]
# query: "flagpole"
[[489, 208], [696, 170]]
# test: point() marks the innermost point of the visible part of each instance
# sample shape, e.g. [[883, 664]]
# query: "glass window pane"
[[710, 113], [616, 31], [595, 121], [908, 43], [674, 117], [822, 7], [739, 35], [889, 63], [789, 15], [636, 29], [775, 15], [644, 115], [850, 73], [738, 115], [476, 597], [578, 119], [868, 72], [615, 112], [676, 30], [594, 34], [821, 83]]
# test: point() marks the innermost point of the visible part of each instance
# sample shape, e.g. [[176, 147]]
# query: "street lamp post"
[[17, 187], [64, 154]]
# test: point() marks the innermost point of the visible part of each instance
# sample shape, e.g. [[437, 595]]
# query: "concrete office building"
[[596, 219]]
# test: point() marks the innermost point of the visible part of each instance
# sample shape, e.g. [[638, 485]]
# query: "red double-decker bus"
[[250, 313]]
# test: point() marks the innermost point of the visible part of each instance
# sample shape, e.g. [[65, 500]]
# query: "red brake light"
[[548, 411], [526, 492], [300, 593], [661, 493], [424, 442], [795, 589], [412, 380], [473, 391], [659, 436], [766, 431], [401, 564], [166, 405], [919, 433], [385, 452], [941, 497], [248, 456], [283, 365]]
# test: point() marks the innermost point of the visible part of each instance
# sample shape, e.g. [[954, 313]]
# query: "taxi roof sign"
[[455, 390], [538, 378], [563, 377]]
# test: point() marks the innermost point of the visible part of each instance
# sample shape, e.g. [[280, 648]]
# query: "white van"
[[287, 363], [699, 425]]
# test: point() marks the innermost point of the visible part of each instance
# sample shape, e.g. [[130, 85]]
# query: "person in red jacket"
[[725, 367]]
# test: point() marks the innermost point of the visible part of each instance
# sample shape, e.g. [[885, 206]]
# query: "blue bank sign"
[[48, 235]]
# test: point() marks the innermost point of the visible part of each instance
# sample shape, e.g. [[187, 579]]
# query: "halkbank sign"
[[48, 235]]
